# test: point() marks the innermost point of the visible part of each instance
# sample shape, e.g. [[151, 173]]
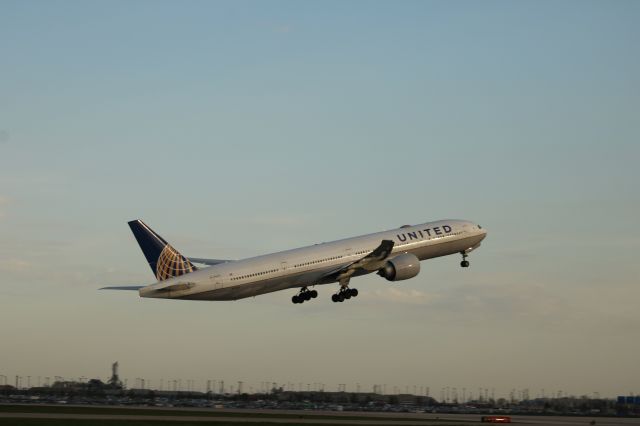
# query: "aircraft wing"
[[210, 262], [371, 262]]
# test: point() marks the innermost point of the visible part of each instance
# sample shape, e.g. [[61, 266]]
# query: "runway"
[[294, 417], [213, 419]]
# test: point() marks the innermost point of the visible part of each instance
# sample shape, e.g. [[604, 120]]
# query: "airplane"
[[394, 255]]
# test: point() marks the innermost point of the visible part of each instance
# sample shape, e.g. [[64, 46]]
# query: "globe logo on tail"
[[172, 264]]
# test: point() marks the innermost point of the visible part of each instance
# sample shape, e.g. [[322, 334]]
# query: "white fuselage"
[[307, 266]]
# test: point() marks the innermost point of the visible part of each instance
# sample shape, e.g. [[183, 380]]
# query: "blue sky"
[[240, 128]]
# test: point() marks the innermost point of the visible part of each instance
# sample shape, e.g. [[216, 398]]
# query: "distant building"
[[114, 382]]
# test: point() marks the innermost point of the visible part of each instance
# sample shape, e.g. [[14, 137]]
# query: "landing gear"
[[344, 294], [465, 262], [304, 295]]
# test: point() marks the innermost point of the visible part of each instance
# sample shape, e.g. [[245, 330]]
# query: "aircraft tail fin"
[[164, 260]]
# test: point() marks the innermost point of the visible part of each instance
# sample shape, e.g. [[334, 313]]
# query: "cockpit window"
[[479, 227], [405, 226]]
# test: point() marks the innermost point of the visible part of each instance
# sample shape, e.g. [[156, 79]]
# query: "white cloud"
[[399, 295], [13, 265], [4, 201], [283, 29]]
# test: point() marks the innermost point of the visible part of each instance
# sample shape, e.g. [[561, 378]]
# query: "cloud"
[[399, 295], [4, 201], [13, 265], [282, 29]]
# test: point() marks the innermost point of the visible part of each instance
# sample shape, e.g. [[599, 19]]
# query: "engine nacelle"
[[401, 267]]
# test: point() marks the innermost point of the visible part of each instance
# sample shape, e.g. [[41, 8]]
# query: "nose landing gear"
[[304, 295], [465, 262]]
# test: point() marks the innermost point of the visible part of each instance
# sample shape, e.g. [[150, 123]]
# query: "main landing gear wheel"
[[465, 262], [344, 294], [304, 296]]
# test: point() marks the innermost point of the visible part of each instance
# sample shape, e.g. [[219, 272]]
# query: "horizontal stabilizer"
[[209, 262], [123, 287]]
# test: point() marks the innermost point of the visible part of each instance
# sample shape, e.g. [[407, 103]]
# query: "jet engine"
[[401, 267]]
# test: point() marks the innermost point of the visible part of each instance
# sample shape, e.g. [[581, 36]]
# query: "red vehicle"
[[495, 419]]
